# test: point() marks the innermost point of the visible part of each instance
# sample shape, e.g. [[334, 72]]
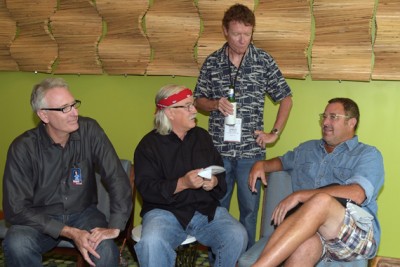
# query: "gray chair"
[[279, 186], [66, 247]]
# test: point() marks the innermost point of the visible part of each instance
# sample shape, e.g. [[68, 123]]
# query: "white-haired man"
[[176, 201]]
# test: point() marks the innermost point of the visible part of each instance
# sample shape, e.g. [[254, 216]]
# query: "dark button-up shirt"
[[38, 178], [160, 160]]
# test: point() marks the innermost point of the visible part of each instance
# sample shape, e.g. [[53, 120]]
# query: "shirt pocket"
[[305, 175], [342, 174]]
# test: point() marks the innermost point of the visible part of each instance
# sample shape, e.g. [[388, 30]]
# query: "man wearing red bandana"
[[177, 202]]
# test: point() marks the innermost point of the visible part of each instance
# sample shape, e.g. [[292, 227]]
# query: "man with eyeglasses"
[[49, 184], [177, 201], [336, 181]]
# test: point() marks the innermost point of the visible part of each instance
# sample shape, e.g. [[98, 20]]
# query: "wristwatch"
[[275, 131]]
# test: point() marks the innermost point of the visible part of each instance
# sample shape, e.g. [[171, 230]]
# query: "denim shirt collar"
[[348, 144]]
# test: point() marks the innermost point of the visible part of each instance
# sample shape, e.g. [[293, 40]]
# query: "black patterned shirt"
[[257, 77]]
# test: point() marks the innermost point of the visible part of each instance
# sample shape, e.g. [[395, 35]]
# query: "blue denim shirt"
[[351, 162]]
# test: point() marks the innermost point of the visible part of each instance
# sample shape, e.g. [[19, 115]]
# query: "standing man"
[[177, 201], [336, 182], [49, 184], [253, 74]]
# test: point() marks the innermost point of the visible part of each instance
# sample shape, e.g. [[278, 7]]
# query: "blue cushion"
[[252, 254]]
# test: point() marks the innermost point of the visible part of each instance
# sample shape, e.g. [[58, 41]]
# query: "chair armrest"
[[279, 186]]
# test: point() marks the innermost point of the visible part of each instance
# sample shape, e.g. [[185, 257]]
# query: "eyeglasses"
[[332, 116], [67, 108], [188, 106]]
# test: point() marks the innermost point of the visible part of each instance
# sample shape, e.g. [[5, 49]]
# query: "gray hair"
[[162, 125], [39, 91]]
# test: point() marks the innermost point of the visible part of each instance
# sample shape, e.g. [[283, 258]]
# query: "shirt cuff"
[[117, 221], [53, 228]]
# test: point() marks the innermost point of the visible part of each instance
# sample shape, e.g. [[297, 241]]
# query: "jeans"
[[238, 170], [162, 234], [24, 245]]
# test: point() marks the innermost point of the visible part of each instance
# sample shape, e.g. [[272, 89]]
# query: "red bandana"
[[172, 99]]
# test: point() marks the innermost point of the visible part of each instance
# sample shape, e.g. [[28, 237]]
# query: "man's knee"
[[233, 236], [109, 253], [321, 202], [22, 242], [155, 242], [20, 238], [321, 198]]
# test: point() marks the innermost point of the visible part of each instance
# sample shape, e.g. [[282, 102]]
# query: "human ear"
[[43, 116], [352, 122], [170, 115], [225, 31]]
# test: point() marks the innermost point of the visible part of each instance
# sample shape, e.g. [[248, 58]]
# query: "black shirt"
[[38, 178], [160, 160]]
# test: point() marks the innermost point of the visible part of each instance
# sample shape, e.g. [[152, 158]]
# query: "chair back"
[[102, 195]]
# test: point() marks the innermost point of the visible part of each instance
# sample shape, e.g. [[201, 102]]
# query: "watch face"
[[275, 131]]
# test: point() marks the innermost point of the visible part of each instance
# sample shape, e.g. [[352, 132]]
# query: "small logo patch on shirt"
[[76, 176]]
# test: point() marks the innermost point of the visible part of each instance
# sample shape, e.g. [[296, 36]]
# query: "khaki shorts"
[[352, 243]]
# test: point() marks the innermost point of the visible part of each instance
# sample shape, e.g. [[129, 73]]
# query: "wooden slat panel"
[[77, 28], [34, 49], [173, 29], [8, 29], [342, 48], [283, 29], [125, 49], [387, 44]]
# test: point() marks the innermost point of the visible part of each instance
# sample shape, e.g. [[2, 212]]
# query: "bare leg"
[[321, 213], [307, 254]]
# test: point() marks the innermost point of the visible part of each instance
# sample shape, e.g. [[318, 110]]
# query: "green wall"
[[124, 106]]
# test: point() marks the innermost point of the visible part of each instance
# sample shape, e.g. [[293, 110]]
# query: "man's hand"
[[81, 239], [190, 180], [209, 184], [87, 242], [225, 107], [193, 180], [99, 234], [256, 172], [284, 207], [262, 138]]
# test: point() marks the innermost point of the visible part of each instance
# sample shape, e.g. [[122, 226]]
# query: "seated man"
[[49, 184], [176, 201], [325, 173]]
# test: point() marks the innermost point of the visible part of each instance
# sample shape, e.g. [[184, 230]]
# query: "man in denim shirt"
[[338, 167]]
